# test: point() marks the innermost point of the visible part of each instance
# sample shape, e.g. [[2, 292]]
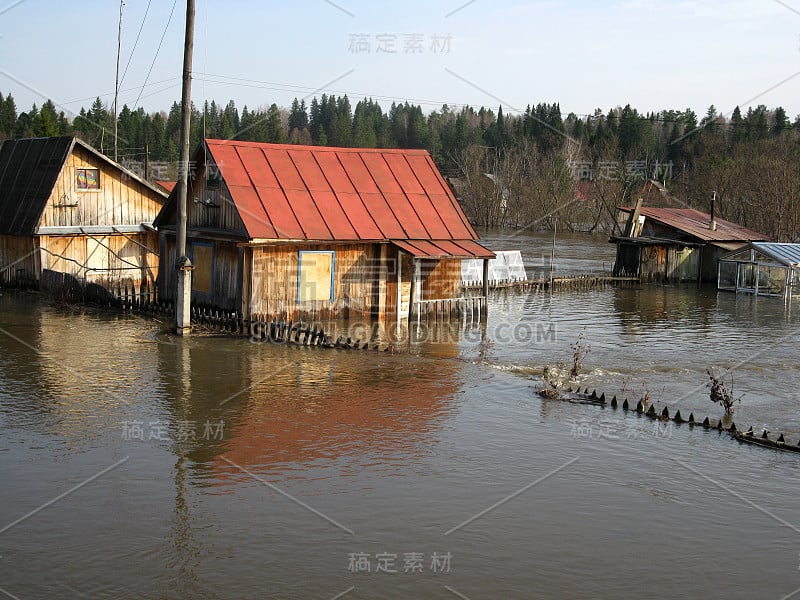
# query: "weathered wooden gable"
[[91, 191], [209, 206]]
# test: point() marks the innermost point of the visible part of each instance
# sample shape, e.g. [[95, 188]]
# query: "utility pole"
[[116, 79], [183, 297]]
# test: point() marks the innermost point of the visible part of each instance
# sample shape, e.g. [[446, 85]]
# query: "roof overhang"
[[729, 246], [95, 229], [653, 241], [443, 248]]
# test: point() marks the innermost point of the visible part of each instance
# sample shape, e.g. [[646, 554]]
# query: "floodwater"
[[138, 465]]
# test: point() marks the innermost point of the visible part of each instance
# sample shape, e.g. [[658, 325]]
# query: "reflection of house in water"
[[763, 269], [82, 370], [316, 232], [345, 411], [71, 216], [676, 244]]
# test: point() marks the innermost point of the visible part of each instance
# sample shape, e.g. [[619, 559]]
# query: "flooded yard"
[[136, 464]]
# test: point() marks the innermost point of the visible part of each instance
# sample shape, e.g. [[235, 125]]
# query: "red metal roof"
[[167, 185], [315, 193], [695, 223], [444, 248]]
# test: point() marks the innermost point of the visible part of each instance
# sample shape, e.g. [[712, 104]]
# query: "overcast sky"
[[585, 55]]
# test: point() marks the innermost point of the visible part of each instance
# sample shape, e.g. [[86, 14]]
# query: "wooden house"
[[676, 244], [73, 219], [316, 232]]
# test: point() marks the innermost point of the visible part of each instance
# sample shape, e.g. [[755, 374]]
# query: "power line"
[[136, 87], [163, 35], [138, 35]]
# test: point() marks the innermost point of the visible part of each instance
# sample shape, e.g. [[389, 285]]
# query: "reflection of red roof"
[[167, 185], [374, 412], [695, 223], [288, 192]]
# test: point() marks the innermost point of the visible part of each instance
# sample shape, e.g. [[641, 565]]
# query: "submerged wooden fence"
[[746, 437], [566, 283], [447, 309]]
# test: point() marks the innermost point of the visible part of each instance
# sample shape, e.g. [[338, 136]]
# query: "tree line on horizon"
[[509, 170]]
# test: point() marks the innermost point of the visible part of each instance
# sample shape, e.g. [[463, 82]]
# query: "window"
[[88, 179], [315, 275]]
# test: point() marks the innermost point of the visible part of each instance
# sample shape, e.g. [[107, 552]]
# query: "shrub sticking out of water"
[[720, 394], [580, 350], [484, 349], [554, 376]]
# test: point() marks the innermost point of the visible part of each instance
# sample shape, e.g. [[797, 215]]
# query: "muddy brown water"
[[138, 465]]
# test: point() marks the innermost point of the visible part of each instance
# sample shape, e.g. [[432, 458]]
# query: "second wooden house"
[[676, 244], [74, 221], [316, 232]]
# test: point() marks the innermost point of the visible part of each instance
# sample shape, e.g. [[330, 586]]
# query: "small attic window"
[[212, 178], [88, 179]]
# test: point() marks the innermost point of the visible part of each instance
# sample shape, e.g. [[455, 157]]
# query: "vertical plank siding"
[[355, 276], [441, 278], [119, 201], [226, 282], [263, 279], [18, 260], [106, 261], [211, 207]]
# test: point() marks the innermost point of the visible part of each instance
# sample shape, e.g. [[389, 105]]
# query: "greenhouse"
[[763, 269]]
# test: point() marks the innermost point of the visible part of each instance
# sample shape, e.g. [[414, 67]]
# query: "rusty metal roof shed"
[[695, 224], [316, 193]]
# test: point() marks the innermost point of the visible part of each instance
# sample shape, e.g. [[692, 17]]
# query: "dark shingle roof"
[[28, 172]]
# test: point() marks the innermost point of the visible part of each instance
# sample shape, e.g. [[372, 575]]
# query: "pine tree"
[[274, 126], [364, 134], [315, 120], [738, 131], [157, 137], [298, 116], [341, 130], [247, 124], [781, 122], [710, 121], [229, 122], [8, 115]]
